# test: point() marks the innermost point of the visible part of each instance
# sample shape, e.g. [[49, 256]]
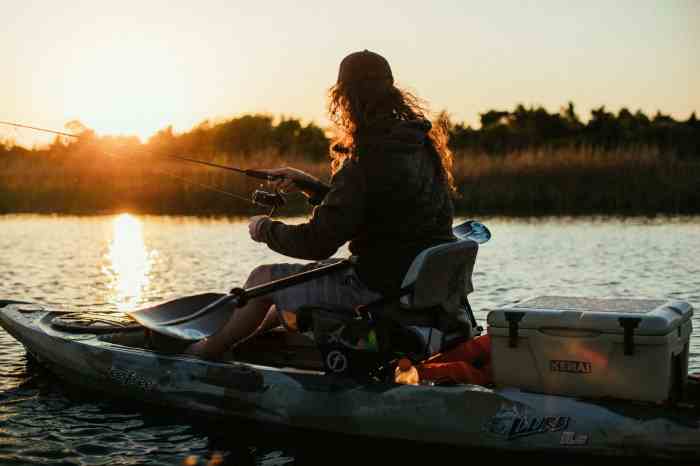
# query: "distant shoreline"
[[521, 163]]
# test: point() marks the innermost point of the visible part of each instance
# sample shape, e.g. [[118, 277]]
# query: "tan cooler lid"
[[656, 316]]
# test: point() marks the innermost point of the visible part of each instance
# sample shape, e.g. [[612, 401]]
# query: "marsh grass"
[[141, 184], [562, 181], [571, 181]]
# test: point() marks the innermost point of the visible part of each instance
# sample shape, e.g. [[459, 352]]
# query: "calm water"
[[122, 262]]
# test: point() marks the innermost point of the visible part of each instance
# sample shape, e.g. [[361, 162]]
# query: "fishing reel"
[[272, 200], [275, 199]]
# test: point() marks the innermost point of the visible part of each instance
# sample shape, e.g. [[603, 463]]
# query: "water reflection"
[[128, 262]]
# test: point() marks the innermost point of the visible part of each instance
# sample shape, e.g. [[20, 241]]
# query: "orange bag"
[[469, 362]]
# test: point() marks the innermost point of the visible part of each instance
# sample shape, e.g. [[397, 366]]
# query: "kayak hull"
[[506, 419]]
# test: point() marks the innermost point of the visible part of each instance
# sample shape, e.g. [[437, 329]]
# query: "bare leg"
[[244, 322], [271, 320]]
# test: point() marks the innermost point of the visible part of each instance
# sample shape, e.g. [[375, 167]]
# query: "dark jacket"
[[388, 199]]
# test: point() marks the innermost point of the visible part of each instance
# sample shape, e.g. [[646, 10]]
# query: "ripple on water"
[[67, 261]]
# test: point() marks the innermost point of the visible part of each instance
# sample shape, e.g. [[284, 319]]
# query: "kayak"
[[278, 377]]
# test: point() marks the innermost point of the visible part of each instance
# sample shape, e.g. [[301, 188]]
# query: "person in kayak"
[[390, 196]]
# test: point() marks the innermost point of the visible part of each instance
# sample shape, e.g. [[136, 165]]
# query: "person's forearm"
[[334, 222], [304, 241]]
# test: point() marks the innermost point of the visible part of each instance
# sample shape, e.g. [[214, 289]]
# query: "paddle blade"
[[472, 230], [155, 317]]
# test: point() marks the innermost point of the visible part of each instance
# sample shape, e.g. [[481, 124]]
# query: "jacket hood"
[[400, 136], [408, 134], [392, 135]]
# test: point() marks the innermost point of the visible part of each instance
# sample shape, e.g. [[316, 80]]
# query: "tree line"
[[521, 162], [501, 132], [525, 128]]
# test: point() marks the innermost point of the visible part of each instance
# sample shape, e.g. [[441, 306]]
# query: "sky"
[[134, 67]]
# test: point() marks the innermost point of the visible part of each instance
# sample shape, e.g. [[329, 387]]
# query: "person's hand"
[[254, 227], [287, 184]]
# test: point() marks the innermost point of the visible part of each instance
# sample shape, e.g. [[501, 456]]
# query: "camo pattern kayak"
[[505, 419]]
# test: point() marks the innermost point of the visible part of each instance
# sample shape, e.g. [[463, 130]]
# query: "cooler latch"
[[629, 324], [513, 318]]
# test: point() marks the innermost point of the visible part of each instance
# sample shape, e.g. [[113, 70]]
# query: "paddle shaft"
[[239, 296], [295, 279]]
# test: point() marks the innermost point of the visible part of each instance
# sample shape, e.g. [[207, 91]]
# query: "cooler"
[[635, 349]]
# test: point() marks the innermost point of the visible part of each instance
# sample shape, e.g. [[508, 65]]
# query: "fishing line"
[[204, 186], [259, 198]]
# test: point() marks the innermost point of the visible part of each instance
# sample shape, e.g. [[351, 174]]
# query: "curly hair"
[[354, 106]]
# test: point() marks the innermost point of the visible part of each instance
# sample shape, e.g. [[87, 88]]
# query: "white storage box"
[[635, 349]]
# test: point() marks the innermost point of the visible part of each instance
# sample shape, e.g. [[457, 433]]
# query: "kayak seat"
[[429, 315], [433, 305]]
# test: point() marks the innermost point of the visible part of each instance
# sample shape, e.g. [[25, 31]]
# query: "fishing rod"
[[17, 125], [273, 200], [259, 197], [303, 184]]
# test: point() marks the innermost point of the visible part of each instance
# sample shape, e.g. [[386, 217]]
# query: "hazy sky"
[[132, 67]]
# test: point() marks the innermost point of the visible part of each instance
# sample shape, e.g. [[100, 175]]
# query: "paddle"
[[472, 230], [196, 317], [211, 310]]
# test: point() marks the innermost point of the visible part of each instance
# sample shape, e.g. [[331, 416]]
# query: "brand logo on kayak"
[[574, 367], [573, 439], [336, 361], [130, 379], [511, 423]]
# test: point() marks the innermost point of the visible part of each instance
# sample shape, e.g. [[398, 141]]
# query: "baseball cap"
[[364, 65]]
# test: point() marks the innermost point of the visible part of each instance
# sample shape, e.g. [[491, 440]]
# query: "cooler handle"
[[629, 324], [513, 318]]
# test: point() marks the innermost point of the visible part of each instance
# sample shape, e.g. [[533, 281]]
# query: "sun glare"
[[127, 87], [128, 262]]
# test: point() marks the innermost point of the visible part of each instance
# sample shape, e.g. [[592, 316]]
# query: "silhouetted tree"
[[492, 118]]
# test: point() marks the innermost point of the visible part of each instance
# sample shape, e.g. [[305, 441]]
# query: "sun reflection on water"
[[128, 262]]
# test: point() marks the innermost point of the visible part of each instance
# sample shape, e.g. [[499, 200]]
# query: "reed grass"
[[562, 181], [578, 181]]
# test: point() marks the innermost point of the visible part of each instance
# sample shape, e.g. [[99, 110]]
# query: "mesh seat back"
[[441, 276]]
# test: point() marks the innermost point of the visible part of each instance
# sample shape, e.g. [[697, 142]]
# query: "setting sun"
[[127, 86]]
